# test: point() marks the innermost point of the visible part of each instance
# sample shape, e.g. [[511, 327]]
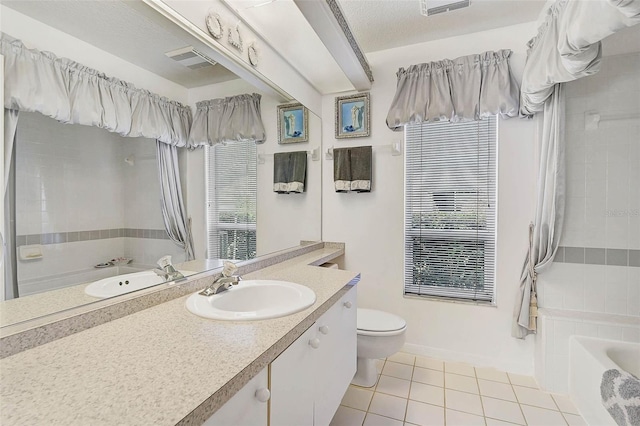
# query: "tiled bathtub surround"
[[96, 234], [593, 286], [598, 256]]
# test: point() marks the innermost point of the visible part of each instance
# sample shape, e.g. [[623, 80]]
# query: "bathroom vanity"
[[305, 383], [164, 366]]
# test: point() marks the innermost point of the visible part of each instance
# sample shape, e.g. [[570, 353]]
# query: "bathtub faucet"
[[167, 271]]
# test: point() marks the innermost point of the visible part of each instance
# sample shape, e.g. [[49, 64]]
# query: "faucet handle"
[[164, 261], [228, 268]]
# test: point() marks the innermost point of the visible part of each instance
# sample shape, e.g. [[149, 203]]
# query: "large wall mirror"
[[84, 204]]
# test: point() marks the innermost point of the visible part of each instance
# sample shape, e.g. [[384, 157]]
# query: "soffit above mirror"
[[284, 26], [132, 36]]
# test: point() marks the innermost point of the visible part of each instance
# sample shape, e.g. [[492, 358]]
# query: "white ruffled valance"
[[235, 118], [467, 88], [72, 93], [568, 45]]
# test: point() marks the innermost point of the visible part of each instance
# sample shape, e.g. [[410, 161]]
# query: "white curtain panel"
[[71, 93], [10, 129], [235, 118], [568, 45], [463, 89], [549, 215], [173, 211]]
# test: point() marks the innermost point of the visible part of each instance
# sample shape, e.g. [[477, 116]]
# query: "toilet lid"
[[372, 320]]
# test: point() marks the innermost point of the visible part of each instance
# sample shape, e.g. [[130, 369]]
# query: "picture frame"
[[353, 116], [293, 123]]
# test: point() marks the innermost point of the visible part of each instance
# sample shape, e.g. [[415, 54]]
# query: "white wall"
[[371, 224], [283, 219], [36, 35]]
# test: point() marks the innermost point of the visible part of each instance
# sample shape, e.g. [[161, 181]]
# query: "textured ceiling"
[[118, 29], [385, 24]]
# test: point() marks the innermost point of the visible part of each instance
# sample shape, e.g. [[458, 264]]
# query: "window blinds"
[[231, 187], [450, 209]]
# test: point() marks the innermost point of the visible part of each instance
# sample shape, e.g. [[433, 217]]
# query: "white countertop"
[[159, 366]]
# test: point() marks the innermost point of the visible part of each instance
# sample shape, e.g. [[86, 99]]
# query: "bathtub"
[[589, 358], [126, 283]]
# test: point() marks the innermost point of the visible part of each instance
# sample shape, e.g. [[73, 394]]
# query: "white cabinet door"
[[292, 383], [248, 407], [336, 331]]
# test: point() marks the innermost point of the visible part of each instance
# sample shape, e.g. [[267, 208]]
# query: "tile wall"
[[597, 270], [72, 180]]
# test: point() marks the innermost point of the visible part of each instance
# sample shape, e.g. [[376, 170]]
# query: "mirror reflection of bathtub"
[[127, 283]]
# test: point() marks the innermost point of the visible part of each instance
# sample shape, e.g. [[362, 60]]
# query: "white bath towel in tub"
[[620, 393]]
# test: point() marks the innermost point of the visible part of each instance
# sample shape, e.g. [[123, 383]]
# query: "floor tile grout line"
[[519, 405], [480, 397], [406, 407]]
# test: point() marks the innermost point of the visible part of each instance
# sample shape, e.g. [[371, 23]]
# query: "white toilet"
[[380, 334]]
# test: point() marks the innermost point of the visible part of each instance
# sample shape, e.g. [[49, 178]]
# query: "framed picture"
[[352, 116], [293, 123]]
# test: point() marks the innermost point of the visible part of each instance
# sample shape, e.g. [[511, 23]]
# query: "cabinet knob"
[[263, 395], [314, 343], [348, 304], [324, 329]]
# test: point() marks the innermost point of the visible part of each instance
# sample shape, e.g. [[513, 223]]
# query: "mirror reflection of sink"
[[126, 283], [253, 300]]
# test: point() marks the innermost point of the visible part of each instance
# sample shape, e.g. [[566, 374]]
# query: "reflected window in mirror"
[[232, 192]]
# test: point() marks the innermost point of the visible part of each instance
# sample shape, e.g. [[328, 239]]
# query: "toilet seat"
[[372, 322]]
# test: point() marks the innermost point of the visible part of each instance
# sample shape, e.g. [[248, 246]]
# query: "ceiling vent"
[[434, 7], [191, 58]]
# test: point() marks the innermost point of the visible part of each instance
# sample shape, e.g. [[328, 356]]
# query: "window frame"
[[490, 239]]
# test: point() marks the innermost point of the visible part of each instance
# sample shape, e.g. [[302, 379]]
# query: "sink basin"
[[253, 300], [126, 283]]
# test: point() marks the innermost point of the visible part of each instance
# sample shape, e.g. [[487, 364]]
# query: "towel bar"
[[314, 153], [396, 149]]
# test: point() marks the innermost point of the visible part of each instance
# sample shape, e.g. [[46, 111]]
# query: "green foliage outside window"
[[237, 244], [458, 263]]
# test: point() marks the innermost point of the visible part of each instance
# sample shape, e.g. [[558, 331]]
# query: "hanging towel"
[[298, 171], [341, 170], [352, 169], [361, 168], [280, 166], [289, 172]]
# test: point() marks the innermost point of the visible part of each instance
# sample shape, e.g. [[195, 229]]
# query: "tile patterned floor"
[[414, 390]]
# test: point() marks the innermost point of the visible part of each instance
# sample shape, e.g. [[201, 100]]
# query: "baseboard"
[[476, 360]]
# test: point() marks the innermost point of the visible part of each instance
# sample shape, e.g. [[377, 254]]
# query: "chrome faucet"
[[167, 270], [224, 282]]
